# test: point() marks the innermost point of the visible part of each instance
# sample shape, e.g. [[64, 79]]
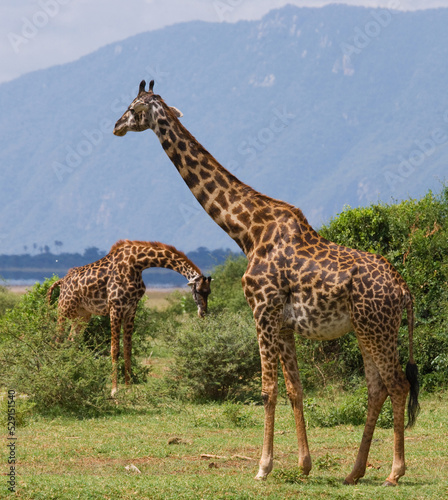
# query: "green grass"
[[65, 458]]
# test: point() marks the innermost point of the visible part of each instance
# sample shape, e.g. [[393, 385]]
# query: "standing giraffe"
[[297, 281], [114, 285]]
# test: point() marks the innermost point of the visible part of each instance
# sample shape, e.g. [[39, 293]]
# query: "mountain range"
[[320, 107]]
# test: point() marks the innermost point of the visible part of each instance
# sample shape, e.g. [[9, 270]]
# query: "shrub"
[[7, 300], [64, 377], [351, 411], [215, 358], [227, 291], [413, 236]]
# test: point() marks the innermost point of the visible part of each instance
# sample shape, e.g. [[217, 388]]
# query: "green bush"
[[215, 358], [413, 236], [63, 376], [352, 411], [227, 291], [7, 299], [56, 377]]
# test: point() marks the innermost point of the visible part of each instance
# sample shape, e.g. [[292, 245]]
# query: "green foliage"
[[227, 292], [351, 411], [293, 475], [335, 361], [23, 410], [239, 415], [215, 357], [326, 462], [68, 376], [7, 300], [56, 377], [413, 236]]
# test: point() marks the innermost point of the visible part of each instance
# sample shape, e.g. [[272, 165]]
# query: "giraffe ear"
[[142, 87], [194, 280], [176, 112]]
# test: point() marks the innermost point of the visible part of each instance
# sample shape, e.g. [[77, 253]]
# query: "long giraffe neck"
[[145, 254], [233, 205]]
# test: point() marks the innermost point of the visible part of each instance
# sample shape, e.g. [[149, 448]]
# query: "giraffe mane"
[[123, 243]]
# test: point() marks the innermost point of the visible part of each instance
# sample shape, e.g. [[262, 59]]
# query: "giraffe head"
[[143, 112], [200, 289]]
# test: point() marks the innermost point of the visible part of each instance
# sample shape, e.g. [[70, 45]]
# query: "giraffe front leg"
[[268, 314], [115, 327], [269, 391], [288, 359], [269, 396]]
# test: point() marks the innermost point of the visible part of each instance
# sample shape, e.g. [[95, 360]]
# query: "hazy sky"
[[36, 34]]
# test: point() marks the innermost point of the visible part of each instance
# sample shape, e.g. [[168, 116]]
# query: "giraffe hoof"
[[388, 483], [260, 477], [349, 481]]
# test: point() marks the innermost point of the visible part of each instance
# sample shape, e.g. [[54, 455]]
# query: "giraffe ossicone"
[[113, 286], [296, 281]]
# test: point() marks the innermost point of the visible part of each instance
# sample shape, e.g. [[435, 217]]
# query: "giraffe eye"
[[138, 107]]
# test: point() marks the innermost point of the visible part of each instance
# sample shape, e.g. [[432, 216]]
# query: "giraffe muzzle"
[[120, 129]]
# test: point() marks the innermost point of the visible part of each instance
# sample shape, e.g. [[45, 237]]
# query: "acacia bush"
[[56, 377], [215, 358], [67, 376]]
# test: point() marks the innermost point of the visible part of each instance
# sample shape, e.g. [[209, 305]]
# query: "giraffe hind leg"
[[377, 394], [384, 377], [128, 327], [115, 327]]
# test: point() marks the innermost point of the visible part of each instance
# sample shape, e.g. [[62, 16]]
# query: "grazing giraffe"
[[297, 281], [114, 285]]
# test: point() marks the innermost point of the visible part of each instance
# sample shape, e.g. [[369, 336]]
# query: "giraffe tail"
[[50, 290], [411, 369]]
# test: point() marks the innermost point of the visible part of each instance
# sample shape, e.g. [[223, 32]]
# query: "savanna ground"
[[211, 451], [66, 458]]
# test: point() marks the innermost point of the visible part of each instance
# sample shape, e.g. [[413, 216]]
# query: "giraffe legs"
[[384, 377], [377, 394], [269, 391], [288, 359], [128, 327], [79, 324], [398, 396], [115, 327]]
